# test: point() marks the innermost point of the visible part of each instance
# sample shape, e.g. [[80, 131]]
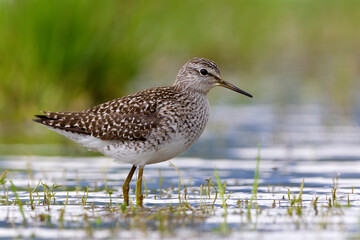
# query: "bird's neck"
[[190, 89]]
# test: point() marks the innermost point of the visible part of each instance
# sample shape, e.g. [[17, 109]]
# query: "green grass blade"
[[18, 201], [255, 185]]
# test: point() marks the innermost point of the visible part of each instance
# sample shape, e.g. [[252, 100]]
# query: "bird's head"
[[201, 75]]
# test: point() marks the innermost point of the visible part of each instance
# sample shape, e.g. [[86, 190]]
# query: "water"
[[310, 144]]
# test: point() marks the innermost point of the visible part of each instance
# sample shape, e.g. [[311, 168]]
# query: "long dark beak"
[[228, 85]]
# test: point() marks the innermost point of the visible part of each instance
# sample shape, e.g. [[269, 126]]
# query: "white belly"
[[141, 156], [122, 153]]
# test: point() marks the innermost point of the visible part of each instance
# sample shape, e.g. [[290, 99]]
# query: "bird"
[[148, 127]]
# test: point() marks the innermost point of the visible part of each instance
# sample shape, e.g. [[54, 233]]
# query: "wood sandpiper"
[[147, 127]]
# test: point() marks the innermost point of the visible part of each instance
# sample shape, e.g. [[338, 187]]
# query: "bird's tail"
[[69, 121]]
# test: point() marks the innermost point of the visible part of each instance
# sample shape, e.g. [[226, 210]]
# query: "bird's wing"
[[114, 126], [128, 118], [136, 126]]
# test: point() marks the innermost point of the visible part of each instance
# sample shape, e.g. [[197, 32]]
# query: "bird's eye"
[[203, 72]]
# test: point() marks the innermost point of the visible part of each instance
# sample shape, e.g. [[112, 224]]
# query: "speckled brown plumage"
[[128, 118]]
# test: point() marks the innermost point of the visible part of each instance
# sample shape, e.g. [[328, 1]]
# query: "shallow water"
[[310, 144]]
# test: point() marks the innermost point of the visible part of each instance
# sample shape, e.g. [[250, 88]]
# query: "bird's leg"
[[139, 196], [125, 186]]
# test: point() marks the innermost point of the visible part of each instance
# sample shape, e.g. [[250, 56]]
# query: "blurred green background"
[[69, 55]]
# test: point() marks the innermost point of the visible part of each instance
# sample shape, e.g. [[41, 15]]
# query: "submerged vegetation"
[[168, 210]]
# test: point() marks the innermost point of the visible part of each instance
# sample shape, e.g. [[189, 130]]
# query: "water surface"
[[309, 144]]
